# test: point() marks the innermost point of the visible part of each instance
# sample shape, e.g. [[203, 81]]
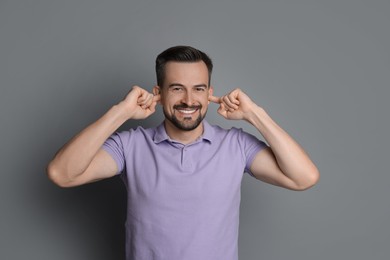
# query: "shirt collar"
[[161, 135]]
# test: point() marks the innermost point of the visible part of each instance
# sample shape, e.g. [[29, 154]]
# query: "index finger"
[[214, 99]]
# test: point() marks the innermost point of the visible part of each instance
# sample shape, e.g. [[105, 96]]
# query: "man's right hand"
[[139, 103], [82, 160]]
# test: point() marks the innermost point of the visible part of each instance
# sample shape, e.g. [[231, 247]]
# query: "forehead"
[[186, 73]]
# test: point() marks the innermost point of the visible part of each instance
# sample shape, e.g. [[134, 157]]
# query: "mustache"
[[185, 106]]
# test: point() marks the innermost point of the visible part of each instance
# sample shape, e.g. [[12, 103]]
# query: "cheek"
[[164, 103], [168, 101], [205, 100], [165, 99]]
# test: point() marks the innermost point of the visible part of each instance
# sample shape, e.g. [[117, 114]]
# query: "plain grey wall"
[[320, 68]]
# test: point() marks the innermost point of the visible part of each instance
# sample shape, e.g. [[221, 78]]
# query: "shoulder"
[[232, 132], [231, 137], [234, 135], [137, 134]]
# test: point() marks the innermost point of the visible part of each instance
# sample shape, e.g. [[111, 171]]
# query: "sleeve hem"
[[112, 154], [252, 157]]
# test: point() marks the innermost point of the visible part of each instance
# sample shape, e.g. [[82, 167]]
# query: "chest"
[[200, 174]]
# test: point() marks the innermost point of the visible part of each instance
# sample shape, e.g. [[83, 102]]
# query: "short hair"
[[180, 54]]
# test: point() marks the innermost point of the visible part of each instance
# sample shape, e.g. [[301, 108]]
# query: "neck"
[[182, 136]]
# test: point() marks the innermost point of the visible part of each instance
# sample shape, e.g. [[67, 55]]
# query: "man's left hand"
[[235, 105]]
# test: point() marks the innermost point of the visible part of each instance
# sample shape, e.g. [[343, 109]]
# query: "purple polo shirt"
[[183, 200]]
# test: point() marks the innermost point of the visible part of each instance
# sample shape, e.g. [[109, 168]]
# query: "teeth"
[[187, 111]]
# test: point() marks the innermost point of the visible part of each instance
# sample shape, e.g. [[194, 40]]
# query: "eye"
[[176, 89], [200, 89]]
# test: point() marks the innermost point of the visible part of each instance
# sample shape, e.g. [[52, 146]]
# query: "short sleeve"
[[114, 146], [251, 145]]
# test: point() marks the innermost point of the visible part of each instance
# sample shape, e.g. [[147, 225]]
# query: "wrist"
[[120, 112], [257, 116]]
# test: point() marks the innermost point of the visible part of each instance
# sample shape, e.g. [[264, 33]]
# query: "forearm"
[[75, 156], [290, 157]]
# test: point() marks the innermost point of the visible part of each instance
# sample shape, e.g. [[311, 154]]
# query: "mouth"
[[187, 110]]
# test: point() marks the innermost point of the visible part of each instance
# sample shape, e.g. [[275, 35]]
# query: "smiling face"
[[184, 95]]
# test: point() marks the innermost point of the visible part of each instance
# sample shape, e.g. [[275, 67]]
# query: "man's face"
[[185, 93]]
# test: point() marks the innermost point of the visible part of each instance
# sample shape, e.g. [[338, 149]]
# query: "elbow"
[[311, 178], [56, 175], [314, 176]]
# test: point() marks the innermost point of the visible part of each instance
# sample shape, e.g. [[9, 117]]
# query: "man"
[[183, 177]]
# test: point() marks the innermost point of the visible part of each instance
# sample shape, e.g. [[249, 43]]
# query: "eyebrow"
[[181, 85]]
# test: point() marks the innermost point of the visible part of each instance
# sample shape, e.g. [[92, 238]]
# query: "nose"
[[188, 98]]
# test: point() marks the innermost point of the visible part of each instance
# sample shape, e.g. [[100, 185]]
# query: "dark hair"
[[180, 54]]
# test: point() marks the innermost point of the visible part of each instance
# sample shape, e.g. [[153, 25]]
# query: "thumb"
[[222, 110]]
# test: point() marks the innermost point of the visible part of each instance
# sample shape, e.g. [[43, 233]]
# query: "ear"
[[156, 90], [211, 92]]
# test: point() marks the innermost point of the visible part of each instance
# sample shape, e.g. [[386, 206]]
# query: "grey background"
[[320, 68]]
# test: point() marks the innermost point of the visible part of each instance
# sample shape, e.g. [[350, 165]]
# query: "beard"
[[187, 124]]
